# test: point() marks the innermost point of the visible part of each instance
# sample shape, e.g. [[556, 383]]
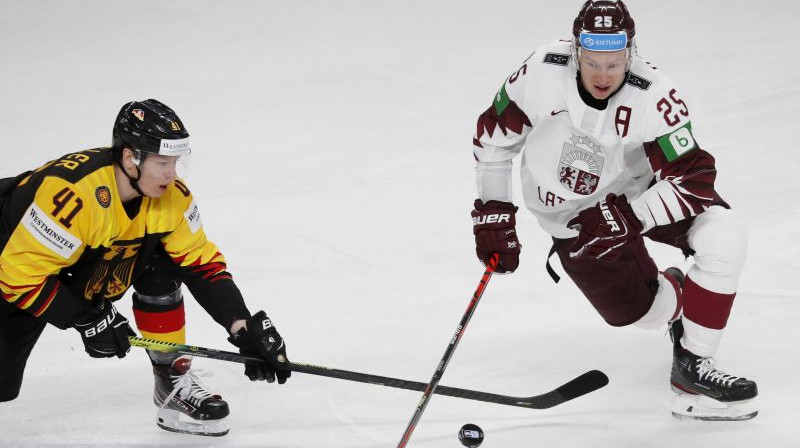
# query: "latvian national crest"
[[580, 165]]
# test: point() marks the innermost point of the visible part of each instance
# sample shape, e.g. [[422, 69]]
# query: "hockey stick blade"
[[582, 385], [588, 382]]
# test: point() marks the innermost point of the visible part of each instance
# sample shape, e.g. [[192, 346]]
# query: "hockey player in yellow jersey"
[[78, 232]]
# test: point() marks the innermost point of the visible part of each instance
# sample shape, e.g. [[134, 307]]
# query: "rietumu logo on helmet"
[[603, 42]]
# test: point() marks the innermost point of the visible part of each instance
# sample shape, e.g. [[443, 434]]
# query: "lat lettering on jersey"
[[491, 219], [678, 142], [549, 198], [192, 216], [48, 233]]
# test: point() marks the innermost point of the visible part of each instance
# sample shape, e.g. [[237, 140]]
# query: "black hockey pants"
[[19, 332]]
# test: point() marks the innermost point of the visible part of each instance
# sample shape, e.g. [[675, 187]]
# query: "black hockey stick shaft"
[[588, 382], [448, 353]]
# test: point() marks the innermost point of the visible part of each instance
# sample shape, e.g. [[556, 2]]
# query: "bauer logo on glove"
[[493, 224], [612, 223], [101, 324], [489, 219], [604, 230]]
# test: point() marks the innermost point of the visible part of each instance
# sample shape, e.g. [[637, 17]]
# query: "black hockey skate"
[[703, 391], [184, 403]]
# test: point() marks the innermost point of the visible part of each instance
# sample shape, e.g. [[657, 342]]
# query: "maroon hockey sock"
[[706, 308]]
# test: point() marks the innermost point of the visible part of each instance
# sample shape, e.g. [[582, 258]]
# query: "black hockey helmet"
[[604, 25], [150, 127]]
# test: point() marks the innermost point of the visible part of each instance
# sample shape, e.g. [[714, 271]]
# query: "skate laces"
[[189, 387], [706, 367]]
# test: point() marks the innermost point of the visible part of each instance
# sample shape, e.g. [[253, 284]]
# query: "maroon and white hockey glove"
[[493, 224], [604, 229]]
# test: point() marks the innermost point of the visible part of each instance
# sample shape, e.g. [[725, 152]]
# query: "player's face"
[[602, 72], [158, 172]]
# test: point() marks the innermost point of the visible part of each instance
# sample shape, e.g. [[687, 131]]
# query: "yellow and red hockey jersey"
[[68, 241]]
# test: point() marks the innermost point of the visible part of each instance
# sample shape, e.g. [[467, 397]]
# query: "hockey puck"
[[470, 435]]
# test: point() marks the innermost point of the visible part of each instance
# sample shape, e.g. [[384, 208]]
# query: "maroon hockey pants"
[[622, 291]]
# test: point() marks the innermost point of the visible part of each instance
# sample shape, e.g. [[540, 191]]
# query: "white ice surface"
[[332, 163]]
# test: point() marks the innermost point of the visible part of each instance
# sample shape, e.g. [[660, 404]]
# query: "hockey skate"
[[702, 391], [184, 403]]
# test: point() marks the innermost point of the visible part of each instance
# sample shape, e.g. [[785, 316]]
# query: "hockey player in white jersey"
[[609, 157]]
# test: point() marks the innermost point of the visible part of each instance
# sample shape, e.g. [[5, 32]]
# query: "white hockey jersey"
[[641, 145]]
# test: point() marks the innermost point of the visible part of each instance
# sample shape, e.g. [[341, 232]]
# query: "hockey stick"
[[588, 382], [448, 353]]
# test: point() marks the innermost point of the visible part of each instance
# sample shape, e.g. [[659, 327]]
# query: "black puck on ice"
[[470, 435]]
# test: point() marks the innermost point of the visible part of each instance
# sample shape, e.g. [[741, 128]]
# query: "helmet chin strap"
[[135, 182]]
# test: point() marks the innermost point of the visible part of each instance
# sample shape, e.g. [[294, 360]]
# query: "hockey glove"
[[106, 335], [493, 224], [604, 229], [260, 338]]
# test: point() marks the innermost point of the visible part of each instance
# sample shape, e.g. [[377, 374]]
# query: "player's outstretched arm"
[[260, 338]]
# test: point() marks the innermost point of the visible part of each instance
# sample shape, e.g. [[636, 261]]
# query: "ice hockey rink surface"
[[332, 165]]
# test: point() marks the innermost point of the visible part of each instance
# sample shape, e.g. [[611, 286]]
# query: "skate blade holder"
[[700, 407], [175, 421]]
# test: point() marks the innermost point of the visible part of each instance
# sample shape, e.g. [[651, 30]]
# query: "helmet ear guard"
[[137, 156]]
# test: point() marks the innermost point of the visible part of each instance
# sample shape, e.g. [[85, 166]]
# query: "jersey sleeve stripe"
[[30, 297], [48, 301], [685, 187]]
